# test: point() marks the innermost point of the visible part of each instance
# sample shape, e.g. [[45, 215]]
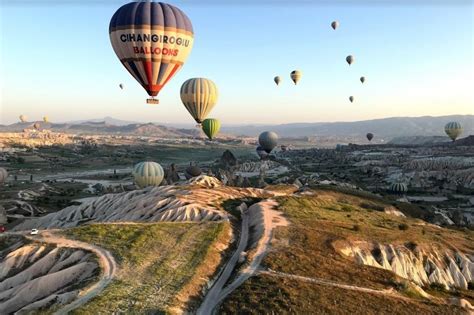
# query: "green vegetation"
[[321, 224], [156, 262], [403, 226], [262, 293]]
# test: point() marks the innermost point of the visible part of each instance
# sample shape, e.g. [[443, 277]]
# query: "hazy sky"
[[417, 56]]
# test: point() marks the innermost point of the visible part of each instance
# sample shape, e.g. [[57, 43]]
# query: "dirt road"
[[390, 291], [212, 296], [271, 219]]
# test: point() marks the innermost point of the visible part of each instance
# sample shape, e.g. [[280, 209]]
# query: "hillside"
[[382, 128], [386, 127], [103, 127], [201, 246]]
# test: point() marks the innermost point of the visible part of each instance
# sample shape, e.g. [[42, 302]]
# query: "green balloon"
[[211, 127]]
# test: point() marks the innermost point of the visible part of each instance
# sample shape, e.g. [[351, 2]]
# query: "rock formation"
[[452, 269]]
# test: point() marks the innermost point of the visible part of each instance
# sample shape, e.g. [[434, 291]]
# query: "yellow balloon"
[[199, 95]]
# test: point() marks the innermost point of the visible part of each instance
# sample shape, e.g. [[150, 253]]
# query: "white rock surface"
[[452, 269], [195, 201]]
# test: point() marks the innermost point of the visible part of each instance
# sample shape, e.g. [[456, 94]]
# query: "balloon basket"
[[152, 101]]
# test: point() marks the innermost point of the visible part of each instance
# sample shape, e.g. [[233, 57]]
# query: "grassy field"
[[306, 248], [262, 293], [161, 266], [54, 159]]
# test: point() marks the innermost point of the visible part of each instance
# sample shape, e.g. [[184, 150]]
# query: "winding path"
[[212, 297], [271, 219], [106, 261], [391, 292]]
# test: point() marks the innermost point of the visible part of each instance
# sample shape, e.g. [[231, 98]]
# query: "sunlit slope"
[[312, 269], [162, 266]]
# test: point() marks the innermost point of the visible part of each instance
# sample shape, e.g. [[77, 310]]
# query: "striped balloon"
[[199, 95], [398, 188], [3, 175], [295, 76], [148, 174], [152, 40], [211, 127], [453, 129]]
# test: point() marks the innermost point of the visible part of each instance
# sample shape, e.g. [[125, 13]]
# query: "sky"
[[417, 56]]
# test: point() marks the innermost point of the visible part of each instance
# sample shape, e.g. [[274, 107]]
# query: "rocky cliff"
[[424, 266]]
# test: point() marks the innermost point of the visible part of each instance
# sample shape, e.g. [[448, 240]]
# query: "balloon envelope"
[[362, 79], [398, 188], [121, 86], [295, 76], [23, 118], [148, 174], [199, 95], [152, 41], [370, 136], [351, 98], [277, 80], [36, 126], [350, 59], [268, 140], [46, 119], [211, 127], [453, 129], [335, 25]]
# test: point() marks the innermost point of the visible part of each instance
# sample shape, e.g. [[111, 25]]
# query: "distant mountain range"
[[102, 127], [383, 128]]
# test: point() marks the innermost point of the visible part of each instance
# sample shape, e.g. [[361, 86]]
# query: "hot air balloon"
[[23, 118], [335, 25], [268, 140], [46, 119], [192, 171], [261, 153], [3, 175], [148, 174], [453, 129], [295, 76], [121, 86], [199, 95], [370, 136], [350, 59], [277, 80], [362, 79], [398, 188], [152, 41], [37, 125], [211, 127], [351, 98]]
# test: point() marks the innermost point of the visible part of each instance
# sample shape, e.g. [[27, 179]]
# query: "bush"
[[411, 245], [403, 226], [356, 227], [437, 286], [372, 206], [470, 285]]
